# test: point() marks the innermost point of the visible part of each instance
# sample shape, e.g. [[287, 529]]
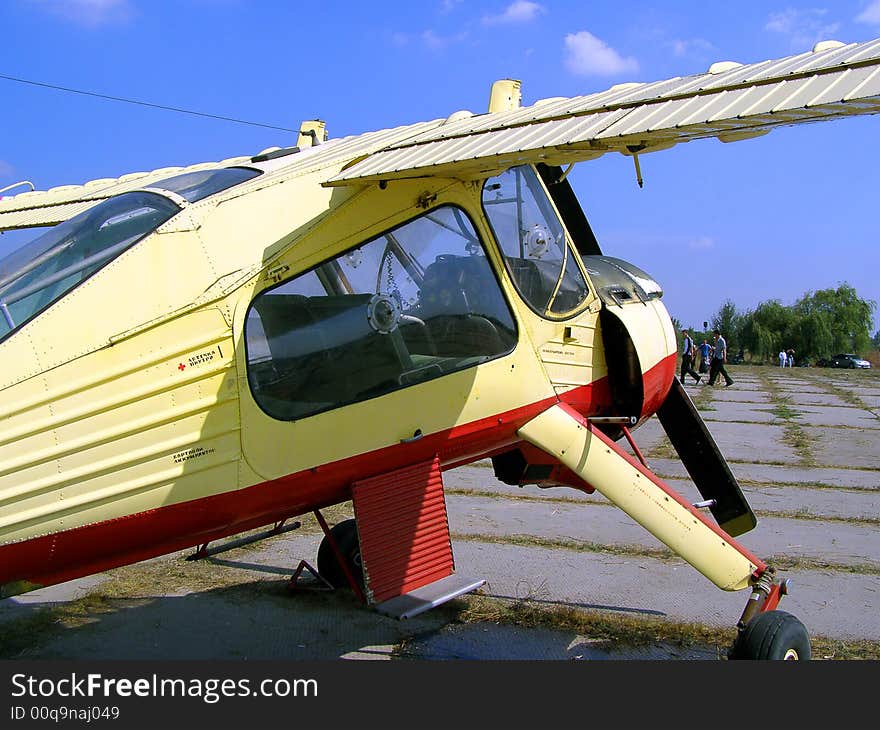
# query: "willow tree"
[[835, 320], [728, 321], [768, 329]]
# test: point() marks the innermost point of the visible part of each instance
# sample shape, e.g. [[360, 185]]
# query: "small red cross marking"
[[181, 367]]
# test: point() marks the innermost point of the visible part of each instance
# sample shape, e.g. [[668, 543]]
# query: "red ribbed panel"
[[403, 530]]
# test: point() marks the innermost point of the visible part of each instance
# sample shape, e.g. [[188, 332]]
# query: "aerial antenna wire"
[[143, 103]]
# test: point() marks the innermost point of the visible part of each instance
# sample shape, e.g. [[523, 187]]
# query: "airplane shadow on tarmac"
[[264, 619]]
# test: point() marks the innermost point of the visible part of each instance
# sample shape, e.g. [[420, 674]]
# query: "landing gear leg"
[[339, 556], [766, 633]]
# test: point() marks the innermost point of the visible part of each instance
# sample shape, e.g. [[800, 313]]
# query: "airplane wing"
[[49, 207], [731, 102]]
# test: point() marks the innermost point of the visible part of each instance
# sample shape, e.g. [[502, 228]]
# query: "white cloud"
[[694, 45], [587, 55], [870, 14], [520, 11], [6, 169], [447, 6], [805, 27], [702, 243], [439, 42], [89, 13]]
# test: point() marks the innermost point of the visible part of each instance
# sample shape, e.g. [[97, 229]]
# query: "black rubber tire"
[[346, 536], [775, 635]]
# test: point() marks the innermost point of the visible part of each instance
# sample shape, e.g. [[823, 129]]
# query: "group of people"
[[712, 358]]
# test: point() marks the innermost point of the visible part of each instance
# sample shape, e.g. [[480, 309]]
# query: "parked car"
[[848, 361]]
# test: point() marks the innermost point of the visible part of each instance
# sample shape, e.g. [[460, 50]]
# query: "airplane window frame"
[[570, 256], [31, 271], [85, 231], [429, 331]]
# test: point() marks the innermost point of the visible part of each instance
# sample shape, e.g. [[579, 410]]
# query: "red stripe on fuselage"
[[69, 554], [94, 548]]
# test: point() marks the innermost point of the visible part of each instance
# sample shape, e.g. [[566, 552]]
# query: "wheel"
[[346, 536], [772, 635]]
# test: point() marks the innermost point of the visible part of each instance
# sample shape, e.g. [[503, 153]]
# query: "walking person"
[[705, 356], [783, 358], [790, 358], [718, 360], [687, 357]]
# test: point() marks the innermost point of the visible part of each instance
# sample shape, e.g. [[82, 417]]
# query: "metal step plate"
[[429, 596]]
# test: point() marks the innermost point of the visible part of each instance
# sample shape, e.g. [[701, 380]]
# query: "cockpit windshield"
[[44, 270], [200, 184]]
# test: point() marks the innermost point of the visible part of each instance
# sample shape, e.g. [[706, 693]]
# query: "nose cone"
[[639, 338]]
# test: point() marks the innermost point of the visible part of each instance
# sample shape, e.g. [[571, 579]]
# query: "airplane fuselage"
[[248, 360]]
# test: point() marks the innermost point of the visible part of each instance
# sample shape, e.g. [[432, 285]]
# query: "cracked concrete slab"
[[859, 448], [801, 387], [743, 412], [820, 399], [796, 501], [854, 504], [831, 604], [837, 416], [753, 442], [868, 479], [838, 543], [737, 392]]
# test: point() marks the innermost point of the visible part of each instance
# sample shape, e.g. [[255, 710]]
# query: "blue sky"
[[769, 218]]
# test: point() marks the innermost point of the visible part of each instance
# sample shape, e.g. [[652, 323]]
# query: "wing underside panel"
[[737, 103]]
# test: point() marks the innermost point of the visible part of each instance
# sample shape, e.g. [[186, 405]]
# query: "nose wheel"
[[772, 635], [765, 632]]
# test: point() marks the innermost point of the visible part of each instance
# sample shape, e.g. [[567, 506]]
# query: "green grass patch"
[[703, 399], [580, 546], [804, 514], [791, 562], [19, 635], [780, 562], [611, 631], [662, 450], [792, 435], [517, 497]]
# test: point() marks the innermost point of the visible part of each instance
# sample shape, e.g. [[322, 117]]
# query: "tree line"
[[818, 325]]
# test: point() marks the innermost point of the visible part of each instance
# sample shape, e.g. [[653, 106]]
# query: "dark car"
[[848, 361]]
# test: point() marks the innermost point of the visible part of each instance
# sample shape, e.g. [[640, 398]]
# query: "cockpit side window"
[[43, 271], [541, 262], [408, 306]]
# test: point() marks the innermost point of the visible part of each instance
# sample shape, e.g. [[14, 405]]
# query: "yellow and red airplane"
[[195, 352]]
